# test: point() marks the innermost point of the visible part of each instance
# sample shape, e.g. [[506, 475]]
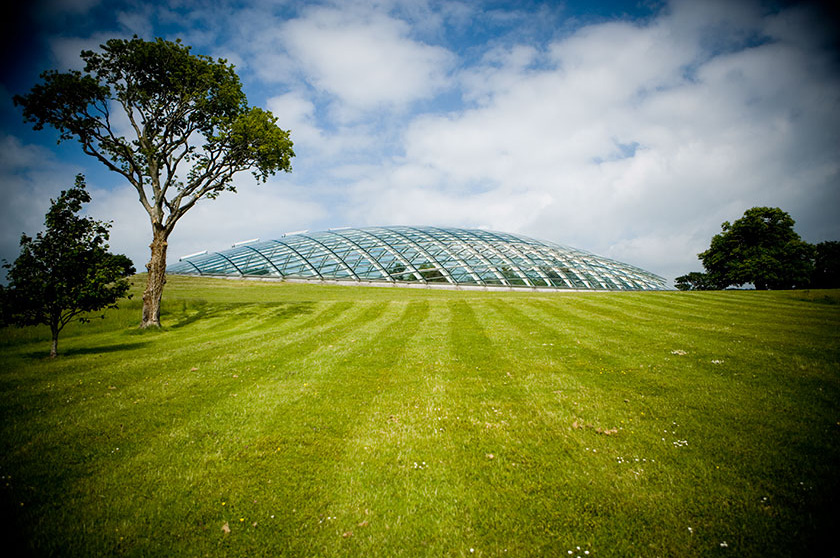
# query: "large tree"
[[176, 125], [759, 248], [65, 271]]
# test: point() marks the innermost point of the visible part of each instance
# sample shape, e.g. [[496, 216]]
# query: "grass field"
[[300, 420]]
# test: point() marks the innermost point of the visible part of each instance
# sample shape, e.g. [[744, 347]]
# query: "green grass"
[[343, 421]]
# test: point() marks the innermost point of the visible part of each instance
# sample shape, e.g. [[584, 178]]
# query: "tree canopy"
[[694, 281], [66, 270], [177, 126], [761, 248]]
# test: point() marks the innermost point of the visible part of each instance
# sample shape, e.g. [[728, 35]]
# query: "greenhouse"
[[421, 256]]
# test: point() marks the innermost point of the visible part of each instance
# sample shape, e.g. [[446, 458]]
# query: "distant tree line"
[[761, 248]]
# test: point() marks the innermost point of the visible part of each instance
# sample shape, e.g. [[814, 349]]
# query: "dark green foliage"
[[190, 130], [827, 265], [170, 97], [759, 248], [65, 271], [694, 281]]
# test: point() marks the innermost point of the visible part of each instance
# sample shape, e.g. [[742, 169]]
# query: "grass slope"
[[343, 421]]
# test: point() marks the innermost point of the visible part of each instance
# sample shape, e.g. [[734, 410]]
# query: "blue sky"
[[629, 129]]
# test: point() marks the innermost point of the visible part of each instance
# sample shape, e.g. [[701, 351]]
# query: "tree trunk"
[[156, 279], [54, 329]]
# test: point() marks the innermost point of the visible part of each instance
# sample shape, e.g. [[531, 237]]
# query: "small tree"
[[694, 281], [759, 248], [188, 127], [65, 271]]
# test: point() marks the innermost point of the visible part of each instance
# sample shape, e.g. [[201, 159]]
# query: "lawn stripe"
[[519, 422], [289, 434]]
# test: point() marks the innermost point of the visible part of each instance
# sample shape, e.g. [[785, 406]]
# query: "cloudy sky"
[[629, 129]]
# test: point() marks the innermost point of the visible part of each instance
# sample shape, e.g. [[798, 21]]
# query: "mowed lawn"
[[271, 419]]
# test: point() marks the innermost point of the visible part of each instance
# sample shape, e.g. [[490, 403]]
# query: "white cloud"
[[365, 59], [671, 256], [137, 22], [297, 113], [131, 231], [399, 198], [17, 156], [66, 50], [30, 176]]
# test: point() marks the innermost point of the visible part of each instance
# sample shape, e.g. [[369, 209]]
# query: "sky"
[[628, 129]]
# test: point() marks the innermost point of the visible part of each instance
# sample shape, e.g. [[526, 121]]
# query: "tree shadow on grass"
[[292, 309], [185, 320], [78, 351], [281, 311]]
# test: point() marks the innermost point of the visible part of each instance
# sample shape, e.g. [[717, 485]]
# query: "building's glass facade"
[[422, 256]]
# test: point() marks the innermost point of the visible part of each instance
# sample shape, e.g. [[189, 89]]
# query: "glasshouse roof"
[[427, 256]]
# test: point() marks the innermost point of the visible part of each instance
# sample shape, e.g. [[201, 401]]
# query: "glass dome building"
[[421, 256]]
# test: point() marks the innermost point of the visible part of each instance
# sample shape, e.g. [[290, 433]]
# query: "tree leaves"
[[759, 248], [66, 270], [188, 116]]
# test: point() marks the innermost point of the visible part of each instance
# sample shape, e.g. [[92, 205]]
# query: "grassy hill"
[[274, 419]]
